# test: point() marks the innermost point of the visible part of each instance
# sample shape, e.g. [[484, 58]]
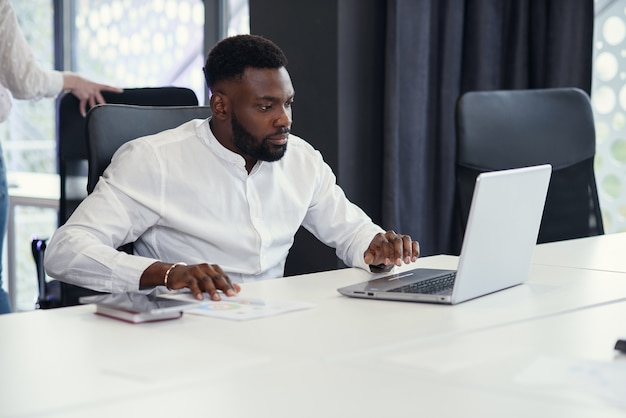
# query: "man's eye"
[[265, 108]]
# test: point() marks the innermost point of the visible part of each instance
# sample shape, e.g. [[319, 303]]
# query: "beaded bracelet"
[[169, 270]]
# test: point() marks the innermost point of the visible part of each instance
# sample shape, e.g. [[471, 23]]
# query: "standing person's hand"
[[86, 91]]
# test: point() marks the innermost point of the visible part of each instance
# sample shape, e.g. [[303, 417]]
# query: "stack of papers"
[[239, 308]]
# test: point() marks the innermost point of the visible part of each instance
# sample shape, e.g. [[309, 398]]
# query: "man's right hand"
[[199, 278]]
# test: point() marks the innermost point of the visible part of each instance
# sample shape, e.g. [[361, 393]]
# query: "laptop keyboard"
[[434, 286]]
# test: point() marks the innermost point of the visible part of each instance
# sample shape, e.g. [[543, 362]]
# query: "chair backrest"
[[515, 128], [110, 125], [72, 141]]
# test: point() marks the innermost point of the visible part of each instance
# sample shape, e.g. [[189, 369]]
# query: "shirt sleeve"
[[5, 103], [19, 71], [337, 222], [84, 250]]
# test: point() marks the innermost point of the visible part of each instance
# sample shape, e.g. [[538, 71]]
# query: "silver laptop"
[[498, 245]]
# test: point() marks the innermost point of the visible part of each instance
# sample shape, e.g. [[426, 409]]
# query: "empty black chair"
[[506, 129]]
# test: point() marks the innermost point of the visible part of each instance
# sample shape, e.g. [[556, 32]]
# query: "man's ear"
[[219, 105]]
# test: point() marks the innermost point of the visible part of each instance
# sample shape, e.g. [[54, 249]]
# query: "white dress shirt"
[[181, 196], [19, 72]]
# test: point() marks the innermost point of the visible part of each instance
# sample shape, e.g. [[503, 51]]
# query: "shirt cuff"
[[129, 269], [55, 83]]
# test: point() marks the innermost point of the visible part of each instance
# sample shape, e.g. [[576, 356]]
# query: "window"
[[140, 43], [608, 96]]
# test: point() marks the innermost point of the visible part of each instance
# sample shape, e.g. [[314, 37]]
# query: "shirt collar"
[[217, 148]]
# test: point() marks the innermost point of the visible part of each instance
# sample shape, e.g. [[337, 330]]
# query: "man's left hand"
[[390, 248]]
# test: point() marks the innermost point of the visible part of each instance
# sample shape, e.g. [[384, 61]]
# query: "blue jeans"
[[5, 307]]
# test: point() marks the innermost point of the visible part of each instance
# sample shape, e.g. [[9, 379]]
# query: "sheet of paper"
[[240, 308]]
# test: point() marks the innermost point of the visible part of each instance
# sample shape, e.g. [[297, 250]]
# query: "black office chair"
[[73, 167], [506, 129], [49, 295]]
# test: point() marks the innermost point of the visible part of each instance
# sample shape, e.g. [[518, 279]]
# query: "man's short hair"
[[231, 56]]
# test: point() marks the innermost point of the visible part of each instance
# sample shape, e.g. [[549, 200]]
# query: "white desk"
[[316, 362], [605, 252], [561, 363], [26, 189], [496, 372]]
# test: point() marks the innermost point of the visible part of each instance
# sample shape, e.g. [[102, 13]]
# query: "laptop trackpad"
[[396, 280]]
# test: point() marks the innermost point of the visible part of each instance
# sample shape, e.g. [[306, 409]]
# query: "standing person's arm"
[[87, 92], [25, 79], [19, 71]]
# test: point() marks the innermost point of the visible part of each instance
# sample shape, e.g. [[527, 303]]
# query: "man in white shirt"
[[215, 203], [22, 78]]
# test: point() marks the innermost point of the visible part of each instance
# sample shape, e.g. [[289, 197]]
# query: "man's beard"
[[248, 144]]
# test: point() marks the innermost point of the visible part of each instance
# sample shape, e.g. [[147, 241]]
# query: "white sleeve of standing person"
[[19, 71]]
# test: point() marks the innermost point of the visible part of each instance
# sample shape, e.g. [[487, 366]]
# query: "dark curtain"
[[438, 49]]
